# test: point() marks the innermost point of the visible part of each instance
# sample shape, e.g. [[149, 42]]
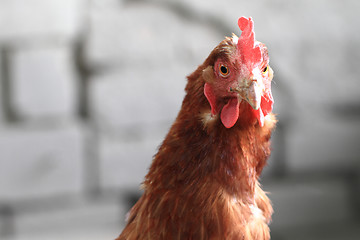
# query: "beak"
[[251, 91], [254, 95]]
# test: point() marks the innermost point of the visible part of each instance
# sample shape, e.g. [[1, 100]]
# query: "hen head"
[[239, 76]]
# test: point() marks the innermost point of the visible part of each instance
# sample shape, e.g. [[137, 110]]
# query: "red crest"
[[250, 54]]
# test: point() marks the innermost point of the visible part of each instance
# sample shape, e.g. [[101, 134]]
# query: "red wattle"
[[230, 113], [259, 116], [265, 108], [267, 103]]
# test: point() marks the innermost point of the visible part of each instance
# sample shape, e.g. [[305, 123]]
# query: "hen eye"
[[265, 69], [224, 71]]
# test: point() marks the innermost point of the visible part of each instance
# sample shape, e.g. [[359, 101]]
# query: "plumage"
[[203, 181]]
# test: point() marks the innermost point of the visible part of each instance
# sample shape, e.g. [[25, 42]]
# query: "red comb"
[[250, 54]]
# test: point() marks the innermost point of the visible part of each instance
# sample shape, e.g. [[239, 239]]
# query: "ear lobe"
[[210, 96], [208, 74]]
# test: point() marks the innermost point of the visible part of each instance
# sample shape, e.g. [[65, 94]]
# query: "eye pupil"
[[265, 69], [223, 70]]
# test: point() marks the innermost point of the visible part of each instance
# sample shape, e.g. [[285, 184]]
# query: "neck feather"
[[194, 152]]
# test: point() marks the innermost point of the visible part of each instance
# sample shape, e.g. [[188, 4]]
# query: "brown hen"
[[203, 182]]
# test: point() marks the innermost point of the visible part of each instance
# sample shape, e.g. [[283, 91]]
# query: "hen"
[[203, 181]]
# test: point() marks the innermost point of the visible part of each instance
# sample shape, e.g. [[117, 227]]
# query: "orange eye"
[[224, 71], [266, 69]]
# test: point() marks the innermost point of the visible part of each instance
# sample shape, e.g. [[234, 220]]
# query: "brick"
[[136, 97], [85, 220], [2, 113], [346, 230], [101, 5], [37, 163], [300, 202], [43, 83], [125, 164], [157, 37], [322, 142], [317, 68], [23, 20]]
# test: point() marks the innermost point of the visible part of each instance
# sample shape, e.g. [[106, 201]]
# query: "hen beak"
[[254, 95], [250, 91]]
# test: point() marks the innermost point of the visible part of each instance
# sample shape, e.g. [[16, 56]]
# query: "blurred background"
[[89, 88]]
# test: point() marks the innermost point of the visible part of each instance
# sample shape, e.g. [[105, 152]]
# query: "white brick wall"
[[91, 221], [125, 164], [326, 143], [136, 97], [2, 115], [43, 83], [137, 35], [302, 201], [133, 58], [40, 162], [38, 19]]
